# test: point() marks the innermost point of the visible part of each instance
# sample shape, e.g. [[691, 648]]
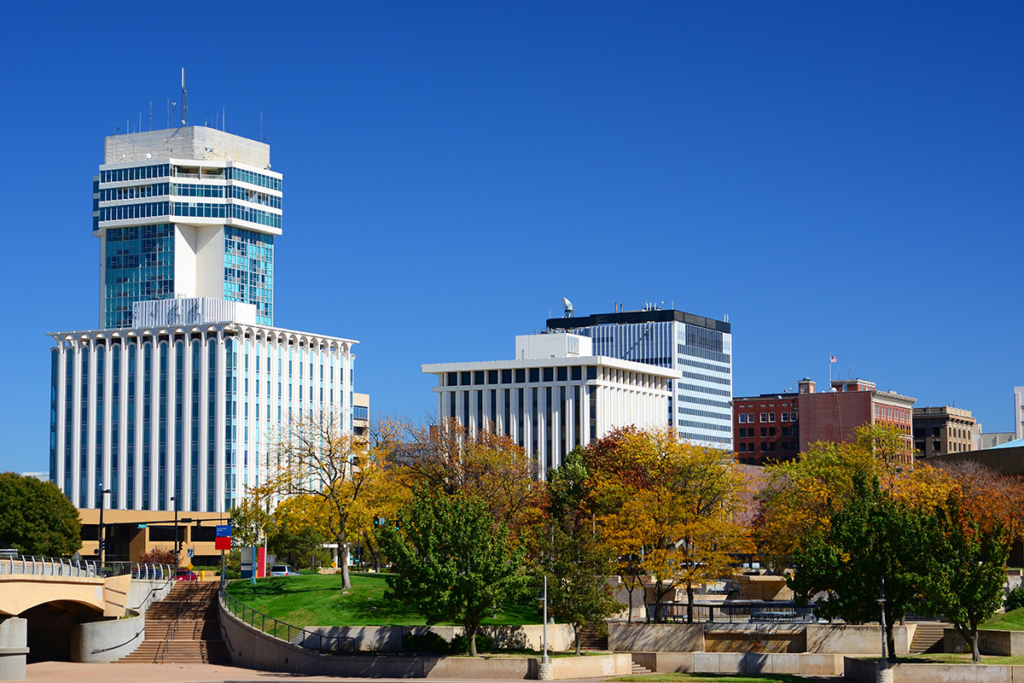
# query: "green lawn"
[[1010, 621], [767, 678], [950, 658], [318, 601]]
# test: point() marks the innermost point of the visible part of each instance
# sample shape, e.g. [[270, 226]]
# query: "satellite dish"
[[567, 305]]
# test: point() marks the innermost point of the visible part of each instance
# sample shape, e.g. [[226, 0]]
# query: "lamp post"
[[102, 537], [545, 634], [175, 501], [881, 604]]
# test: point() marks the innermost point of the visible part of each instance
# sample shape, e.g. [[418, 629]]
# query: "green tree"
[[36, 518], [573, 553], [874, 535], [453, 560], [250, 521], [966, 570]]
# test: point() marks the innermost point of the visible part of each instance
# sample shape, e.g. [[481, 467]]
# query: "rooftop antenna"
[[168, 112], [151, 114], [568, 311], [262, 139], [184, 100], [174, 110], [223, 118]]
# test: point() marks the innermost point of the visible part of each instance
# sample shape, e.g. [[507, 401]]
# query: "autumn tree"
[[453, 560], [316, 457], [251, 520], [298, 529], [481, 464]]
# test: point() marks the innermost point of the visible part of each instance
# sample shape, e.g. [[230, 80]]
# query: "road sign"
[[191, 552], [223, 531]]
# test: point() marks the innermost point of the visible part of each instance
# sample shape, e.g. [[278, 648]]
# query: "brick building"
[[942, 430], [775, 427]]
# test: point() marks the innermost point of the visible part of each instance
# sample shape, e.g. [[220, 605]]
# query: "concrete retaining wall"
[[389, 638], [866, 671], [851, 639], [108, 640], [740, 663], [13, 648], [254, 649], [656, 637], [760, 638], [144, 592], [990, 642]]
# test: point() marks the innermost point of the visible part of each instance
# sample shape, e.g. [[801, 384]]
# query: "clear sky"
[[838, 178]]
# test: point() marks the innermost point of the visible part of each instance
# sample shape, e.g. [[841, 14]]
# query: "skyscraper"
[[700, 348], [174, 400]]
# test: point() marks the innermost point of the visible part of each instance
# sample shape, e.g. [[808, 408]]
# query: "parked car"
[[185, 575], [283, 570]]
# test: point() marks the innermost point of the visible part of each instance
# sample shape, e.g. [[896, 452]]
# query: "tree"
[[453, 560], [315, 458], [573, 553], [251, 520], [966, 570], [158, 555], [36, 518], [484, 465], [297, 530], [873, 535]]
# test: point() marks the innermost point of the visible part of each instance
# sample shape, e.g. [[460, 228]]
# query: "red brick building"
[[775, 427]]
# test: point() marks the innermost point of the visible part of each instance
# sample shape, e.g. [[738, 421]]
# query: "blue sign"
[[223, 531]]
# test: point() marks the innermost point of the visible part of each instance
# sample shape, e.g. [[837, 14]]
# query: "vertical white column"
[[140, 386], [90, 430], [346, 389], [204, 421], [154, 426], [170, 461], [187, 437], [76, 426], [122, 430], [62, 391], [220, 437], [110, 450]]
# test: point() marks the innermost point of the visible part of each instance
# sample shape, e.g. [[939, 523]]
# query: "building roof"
[[633, 317], [1017, 443]]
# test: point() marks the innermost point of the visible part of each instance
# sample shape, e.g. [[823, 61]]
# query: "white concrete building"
[[1018, 412], [181, 390], [555, 395]]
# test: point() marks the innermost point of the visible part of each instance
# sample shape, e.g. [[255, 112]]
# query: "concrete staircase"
[[928, 637], [639, 670], [590, 640], [183, 628]]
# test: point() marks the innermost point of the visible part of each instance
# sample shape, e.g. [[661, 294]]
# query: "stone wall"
[[990, 642], [389, 638], [866, 671], [655, 637], [852, 639]]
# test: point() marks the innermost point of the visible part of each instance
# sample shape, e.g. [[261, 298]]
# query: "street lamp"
[[103, 541], [881, 604]]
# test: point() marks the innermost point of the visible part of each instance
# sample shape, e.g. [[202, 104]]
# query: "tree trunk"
[[576, 631], [689, 602], [346, 580], [629, 592], [471, 635], [890, 640], [975, 652]]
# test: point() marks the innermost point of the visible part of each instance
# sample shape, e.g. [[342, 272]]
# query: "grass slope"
[[767, 678], [1010, 621], [318, 601]]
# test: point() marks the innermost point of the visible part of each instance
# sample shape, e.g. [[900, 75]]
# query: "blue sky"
[[838, 178]]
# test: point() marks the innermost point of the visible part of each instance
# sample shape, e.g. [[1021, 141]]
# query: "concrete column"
[[13, 648]]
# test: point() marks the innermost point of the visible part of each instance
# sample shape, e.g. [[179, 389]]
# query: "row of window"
[[707, 378], [480, 377], [704, 425], [768, 446], [745, 418], [118, 175], [704, 413], [766, 431]]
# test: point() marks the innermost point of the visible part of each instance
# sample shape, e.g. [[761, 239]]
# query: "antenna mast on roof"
[[184, 100]]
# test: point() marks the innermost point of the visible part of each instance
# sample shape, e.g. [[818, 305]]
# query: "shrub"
[[425, 642], [460, 643], [158, 555], [1014, 599]]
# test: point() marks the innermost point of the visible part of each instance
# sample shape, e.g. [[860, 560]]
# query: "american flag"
[[833, 359]]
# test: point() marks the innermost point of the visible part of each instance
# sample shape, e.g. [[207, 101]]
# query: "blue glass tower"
[[185, 212]]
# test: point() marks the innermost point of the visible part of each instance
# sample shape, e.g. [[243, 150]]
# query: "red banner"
[[223, 543]]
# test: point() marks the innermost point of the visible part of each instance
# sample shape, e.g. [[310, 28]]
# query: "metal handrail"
[[296, 635], [184, 606], [733, 612]]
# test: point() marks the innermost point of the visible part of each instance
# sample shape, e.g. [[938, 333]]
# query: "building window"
[[742, 418], [764, 417], [478, 377], [506, 377], [764, 432], [534, 374], [563, 374], [743, 448], [771, 431], [771, 417], [577, 373], [549, 374], [750, 418]]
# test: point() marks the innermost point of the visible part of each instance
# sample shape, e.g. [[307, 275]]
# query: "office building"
[[554, 396], [174, 401], [941, 430], [776, 427], [1018, 412], [699, 348], [766, 428]]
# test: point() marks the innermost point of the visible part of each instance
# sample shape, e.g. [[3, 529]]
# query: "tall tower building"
[[173, 402], [700, 407], [185, 212]]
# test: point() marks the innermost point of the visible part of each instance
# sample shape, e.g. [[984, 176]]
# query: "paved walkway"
[[63, 672]]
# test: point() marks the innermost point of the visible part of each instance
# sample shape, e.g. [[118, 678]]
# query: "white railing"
[[59, 566]]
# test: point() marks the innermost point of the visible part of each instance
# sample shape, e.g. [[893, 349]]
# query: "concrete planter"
[[866, 671], [107, 641], [990, 642]]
